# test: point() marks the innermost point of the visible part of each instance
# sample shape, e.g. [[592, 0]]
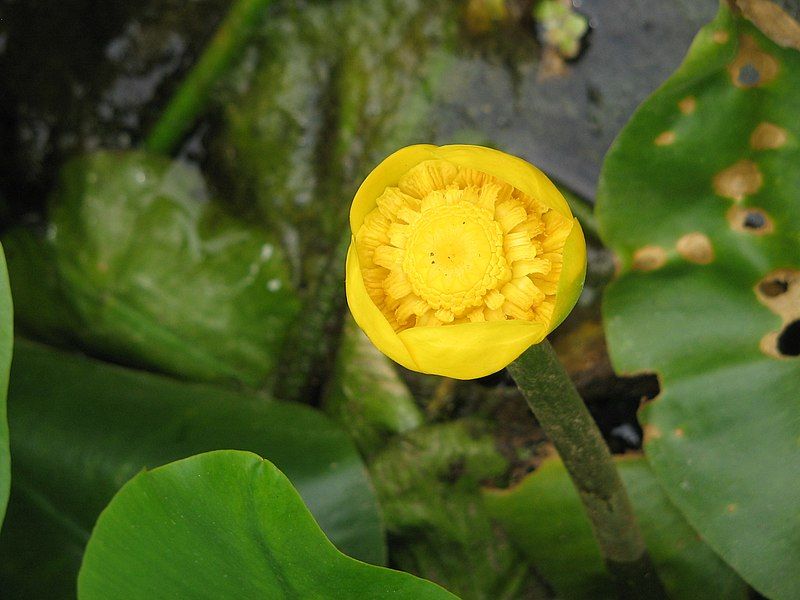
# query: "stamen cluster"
[[451, 245]]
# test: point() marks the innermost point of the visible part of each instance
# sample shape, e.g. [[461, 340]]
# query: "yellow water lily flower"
[[462, 257]]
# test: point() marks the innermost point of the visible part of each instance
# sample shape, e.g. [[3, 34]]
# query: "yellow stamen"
[[453, 245]]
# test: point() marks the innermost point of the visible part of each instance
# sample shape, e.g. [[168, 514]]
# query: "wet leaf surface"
[[142, 268]]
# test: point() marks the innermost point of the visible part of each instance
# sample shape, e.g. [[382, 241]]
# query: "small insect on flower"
[[462, 257]]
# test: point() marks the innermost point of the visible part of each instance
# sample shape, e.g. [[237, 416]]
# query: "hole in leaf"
[[773, 287], [754, 220], [750, 220], [749, 75], [789, 339]]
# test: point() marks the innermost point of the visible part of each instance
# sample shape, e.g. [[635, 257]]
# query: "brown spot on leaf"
[[688, 105], [752, 67], [731, 508], [721, 36], [750, 220], [649, 258], [769, 288], [695, 247], [767, 136], [773, 21], [739, 180], [678, 432], [650, 432], [665, 138], [780, 292]]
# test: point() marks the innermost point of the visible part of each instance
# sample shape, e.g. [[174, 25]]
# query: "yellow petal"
[[470, 350], [369, 317], [510, 169], [573, 272], [386, 174]]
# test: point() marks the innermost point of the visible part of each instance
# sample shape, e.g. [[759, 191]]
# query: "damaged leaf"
[[698, 199]]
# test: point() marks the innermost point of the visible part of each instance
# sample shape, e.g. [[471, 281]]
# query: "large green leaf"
[[544, 516], [699, 201], [138, 266], [82, 428], [6, 343], [224, 525]]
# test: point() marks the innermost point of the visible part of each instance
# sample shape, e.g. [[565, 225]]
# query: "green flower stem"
[[193, 94], [564, 417]]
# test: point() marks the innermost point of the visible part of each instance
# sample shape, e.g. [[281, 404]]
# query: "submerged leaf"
[[366, 395], [428, 483], [137, 265]]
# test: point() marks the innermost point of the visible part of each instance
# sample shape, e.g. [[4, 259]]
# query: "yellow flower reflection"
[[462, 257]]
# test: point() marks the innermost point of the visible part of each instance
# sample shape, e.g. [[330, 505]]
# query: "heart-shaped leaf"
[[137, 265], [224, 525], [544, 516], [81, 429], [699, 200]]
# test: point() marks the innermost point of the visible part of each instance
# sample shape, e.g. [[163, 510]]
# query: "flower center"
[[455, 245], [454, 254]]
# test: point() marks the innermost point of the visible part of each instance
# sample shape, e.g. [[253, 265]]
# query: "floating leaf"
[[224, 525], [6, 343], [544, 516], [81, 429], [138, 266], [699, 201]]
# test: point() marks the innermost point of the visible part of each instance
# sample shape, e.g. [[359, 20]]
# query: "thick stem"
[[564, 417], [193, 94]]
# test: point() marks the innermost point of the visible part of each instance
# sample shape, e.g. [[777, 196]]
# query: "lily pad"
[[544, 516], [6, 343], [138, 266], [698, 198], [81, 429], [232, 527]]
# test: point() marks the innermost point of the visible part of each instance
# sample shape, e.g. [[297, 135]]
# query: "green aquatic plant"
[[232, 526], [138, 265], [698, 200]]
